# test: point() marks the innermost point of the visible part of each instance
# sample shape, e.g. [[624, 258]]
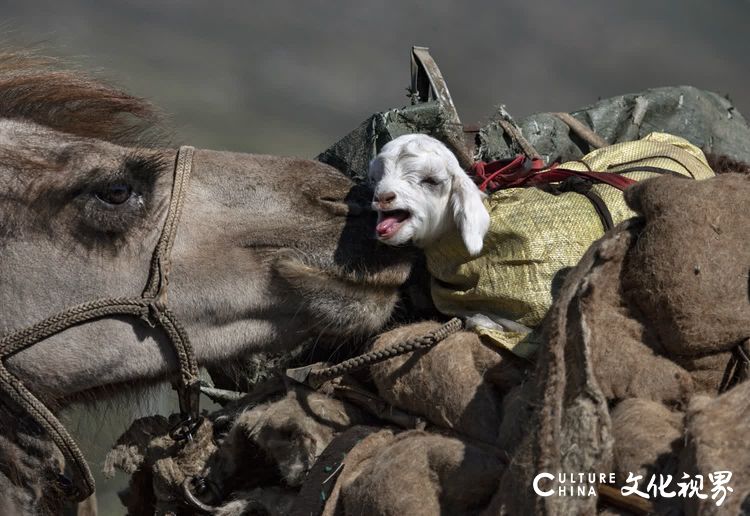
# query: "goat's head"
[[421, 192]]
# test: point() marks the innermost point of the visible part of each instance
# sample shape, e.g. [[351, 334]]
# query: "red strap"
[[521, 171], [505, 173]]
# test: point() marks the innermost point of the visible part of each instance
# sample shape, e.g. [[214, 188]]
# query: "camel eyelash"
[[145, 167]]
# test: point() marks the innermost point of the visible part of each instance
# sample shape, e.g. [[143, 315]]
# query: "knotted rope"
[[317, 374]]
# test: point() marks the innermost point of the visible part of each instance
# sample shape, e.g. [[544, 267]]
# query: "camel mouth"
[[389, 275], [345, 303], [390, 222]]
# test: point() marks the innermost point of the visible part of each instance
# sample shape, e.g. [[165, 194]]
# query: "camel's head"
[[269, 251]]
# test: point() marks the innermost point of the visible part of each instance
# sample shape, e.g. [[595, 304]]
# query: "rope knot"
[[153, 313]]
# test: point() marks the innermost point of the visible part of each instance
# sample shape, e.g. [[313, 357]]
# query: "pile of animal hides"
[[641, 370]]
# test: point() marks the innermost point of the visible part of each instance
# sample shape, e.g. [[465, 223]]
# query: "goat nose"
[[385, 198]]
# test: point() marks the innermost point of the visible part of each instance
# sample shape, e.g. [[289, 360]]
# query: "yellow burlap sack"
[[535, 237]]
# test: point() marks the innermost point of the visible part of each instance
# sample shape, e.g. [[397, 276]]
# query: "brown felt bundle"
[[416, 473], [291, 432], [716, 441], [627, 359], [688, 274], [459, 384], [648, 441], [648, 438], [562, 413]]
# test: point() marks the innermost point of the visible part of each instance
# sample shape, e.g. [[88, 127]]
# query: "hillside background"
[[281, 77], [292, 77]]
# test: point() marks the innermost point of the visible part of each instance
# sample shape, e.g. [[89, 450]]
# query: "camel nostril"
[[386, 198]]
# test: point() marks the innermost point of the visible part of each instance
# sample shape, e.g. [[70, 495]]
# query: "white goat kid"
[[421, 193]]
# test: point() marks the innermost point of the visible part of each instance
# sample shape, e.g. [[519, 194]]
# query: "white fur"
[[407, 166]]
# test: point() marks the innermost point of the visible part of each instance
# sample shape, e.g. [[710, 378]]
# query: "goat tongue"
[[390, 221]]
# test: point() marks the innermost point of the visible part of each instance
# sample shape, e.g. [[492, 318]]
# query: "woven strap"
[[316, 374], [156, 287], [150, 307]]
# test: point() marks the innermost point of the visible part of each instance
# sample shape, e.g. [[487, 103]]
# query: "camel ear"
[[469, 213]]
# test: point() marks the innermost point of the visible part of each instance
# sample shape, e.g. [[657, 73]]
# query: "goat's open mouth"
[[389, 222]]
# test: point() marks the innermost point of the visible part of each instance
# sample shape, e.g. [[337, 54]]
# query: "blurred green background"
[[281, 77]]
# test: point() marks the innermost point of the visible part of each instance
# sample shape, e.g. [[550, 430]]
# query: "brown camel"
[[269, 252]]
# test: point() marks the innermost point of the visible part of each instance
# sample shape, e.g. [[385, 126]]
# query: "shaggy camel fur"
[[268, 501], [158, 464], [24, 454]]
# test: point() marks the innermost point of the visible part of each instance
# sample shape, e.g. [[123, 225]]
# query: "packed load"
[[637, 368]]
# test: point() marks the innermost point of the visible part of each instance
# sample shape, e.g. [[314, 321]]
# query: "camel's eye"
[[112, 207], [114, 194]]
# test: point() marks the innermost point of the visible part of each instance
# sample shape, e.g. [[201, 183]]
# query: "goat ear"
[[469, 213]]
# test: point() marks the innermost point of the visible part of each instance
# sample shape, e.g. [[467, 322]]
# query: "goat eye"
[[115, 194], [431, 181]]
